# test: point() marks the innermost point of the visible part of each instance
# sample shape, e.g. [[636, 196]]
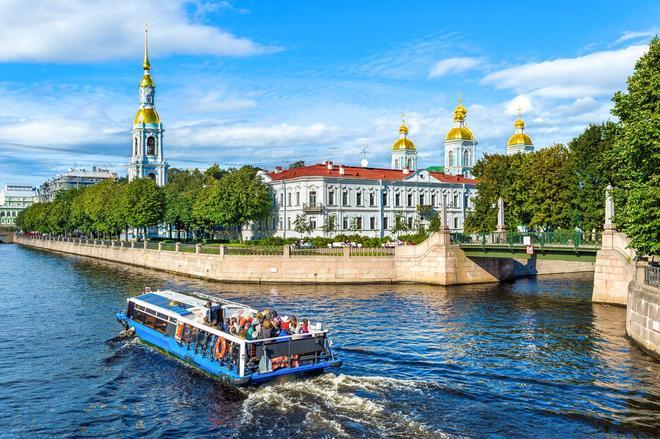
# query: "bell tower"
[[147, 159]]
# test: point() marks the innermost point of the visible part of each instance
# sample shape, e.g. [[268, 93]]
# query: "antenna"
[[364, 162]]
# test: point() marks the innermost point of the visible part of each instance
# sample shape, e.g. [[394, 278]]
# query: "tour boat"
[[179, 325]]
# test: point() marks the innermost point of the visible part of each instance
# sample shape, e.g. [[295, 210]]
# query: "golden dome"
[[147, 81], [460, 111], [519, 124], [460, 133], [403, 129], [403, 143], [519, 139], [146, 115]]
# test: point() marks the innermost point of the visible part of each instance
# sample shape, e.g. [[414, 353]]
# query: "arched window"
[[466, 158], [451, 158], [151, 146], [396, 163], [152, 176], [409, 165], [135, 146]]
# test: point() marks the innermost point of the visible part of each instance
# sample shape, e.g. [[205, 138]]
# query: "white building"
[[13, 199], [147, 159], [369, 200], [519, 141], [73, 179]]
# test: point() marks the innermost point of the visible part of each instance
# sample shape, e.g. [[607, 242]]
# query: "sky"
[[271, 82]]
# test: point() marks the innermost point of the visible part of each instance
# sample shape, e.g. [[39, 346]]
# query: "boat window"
[[161, 315]]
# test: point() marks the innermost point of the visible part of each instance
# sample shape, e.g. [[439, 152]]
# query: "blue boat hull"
[[212, 367]]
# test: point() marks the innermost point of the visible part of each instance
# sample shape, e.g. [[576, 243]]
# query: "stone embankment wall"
[[435, 261], [615, 269], [643, 314], [6, 237]]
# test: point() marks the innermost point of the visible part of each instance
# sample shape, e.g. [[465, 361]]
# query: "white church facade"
[[336, 199], [147, 158]]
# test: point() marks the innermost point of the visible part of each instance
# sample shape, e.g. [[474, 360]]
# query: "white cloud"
[[637, 35], [596, 74], [453, 65], [519, 103], [78, 31]]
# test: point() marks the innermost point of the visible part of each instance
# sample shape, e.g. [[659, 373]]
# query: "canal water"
[[528, 359]]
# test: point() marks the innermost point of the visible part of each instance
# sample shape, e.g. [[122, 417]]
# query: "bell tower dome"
[[404, 152], [460, 145], [147, 159]]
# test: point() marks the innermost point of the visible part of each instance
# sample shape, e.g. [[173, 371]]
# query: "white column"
[[609, 207], [500, 215]]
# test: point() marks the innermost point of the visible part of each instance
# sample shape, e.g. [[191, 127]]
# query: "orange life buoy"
[[220, 348], [179, 332], [294, 361]]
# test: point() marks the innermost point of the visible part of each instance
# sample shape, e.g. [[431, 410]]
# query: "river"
[[532, 358]]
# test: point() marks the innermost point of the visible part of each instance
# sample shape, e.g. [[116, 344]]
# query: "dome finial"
[[519, 124], [403, 129], [460, 111], [145, 64]]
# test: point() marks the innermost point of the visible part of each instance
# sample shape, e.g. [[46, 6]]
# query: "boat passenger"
[[227, 324], [304, 328], [242, 333], [266, 330]]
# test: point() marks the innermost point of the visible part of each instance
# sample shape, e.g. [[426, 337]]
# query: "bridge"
[[561, 245], [6, 236]]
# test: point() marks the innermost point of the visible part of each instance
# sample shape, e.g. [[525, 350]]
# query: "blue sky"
[[271, 82]]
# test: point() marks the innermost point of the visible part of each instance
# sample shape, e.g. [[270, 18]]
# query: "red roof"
[[321, 170]]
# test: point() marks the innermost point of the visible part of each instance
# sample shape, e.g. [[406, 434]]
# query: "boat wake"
[[336, 406]]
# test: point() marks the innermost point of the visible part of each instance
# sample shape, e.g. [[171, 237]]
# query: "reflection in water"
[[420, 361]]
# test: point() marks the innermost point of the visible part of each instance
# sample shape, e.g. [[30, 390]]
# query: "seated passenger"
[[304, 328], [293, 325], [226, 326], [242, 333]]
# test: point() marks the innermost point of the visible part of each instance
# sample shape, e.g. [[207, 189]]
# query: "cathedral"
[[147, 159]]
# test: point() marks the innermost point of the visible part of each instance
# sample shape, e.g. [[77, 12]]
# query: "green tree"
[[180, 195], [435, 223], [297, 164], [143, 203], [591, 173], [355, 225], [635, 156], [400, 223], [329, 224], [302, 225], [214, 172]]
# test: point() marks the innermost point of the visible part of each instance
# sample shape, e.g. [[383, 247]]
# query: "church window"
[[451, 158], [151, 145], [466, 158], [152, 176], [135, 146], [396, 163]]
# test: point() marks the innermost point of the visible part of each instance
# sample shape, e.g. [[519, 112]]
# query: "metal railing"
[[551, 239], [254, 250], [321, 251], [652, 275], [372, 251]]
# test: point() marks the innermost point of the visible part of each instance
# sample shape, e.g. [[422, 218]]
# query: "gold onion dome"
[[519, 137], [146, 115], [403, 142], [460, 132]]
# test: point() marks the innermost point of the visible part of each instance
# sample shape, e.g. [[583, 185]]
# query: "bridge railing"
[[561, 238], [652, 275]]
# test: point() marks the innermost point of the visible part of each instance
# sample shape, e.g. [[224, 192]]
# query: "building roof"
[[321, 170], [19, 190]]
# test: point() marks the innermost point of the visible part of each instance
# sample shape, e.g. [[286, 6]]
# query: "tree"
[[329, 224], [180, 196], [435, 223], [302, 225], [143, 203], [635, 155], [591, 173], [400, 223], [355, 225], [214, 172], [238, 198], [297, 164]]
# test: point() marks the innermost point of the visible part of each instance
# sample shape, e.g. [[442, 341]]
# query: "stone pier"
[[615, 269]]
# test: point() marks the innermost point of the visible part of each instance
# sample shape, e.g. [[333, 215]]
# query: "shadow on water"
[[511, 359]]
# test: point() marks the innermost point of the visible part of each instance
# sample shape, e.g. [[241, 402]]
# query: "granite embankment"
[[435, 261]]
